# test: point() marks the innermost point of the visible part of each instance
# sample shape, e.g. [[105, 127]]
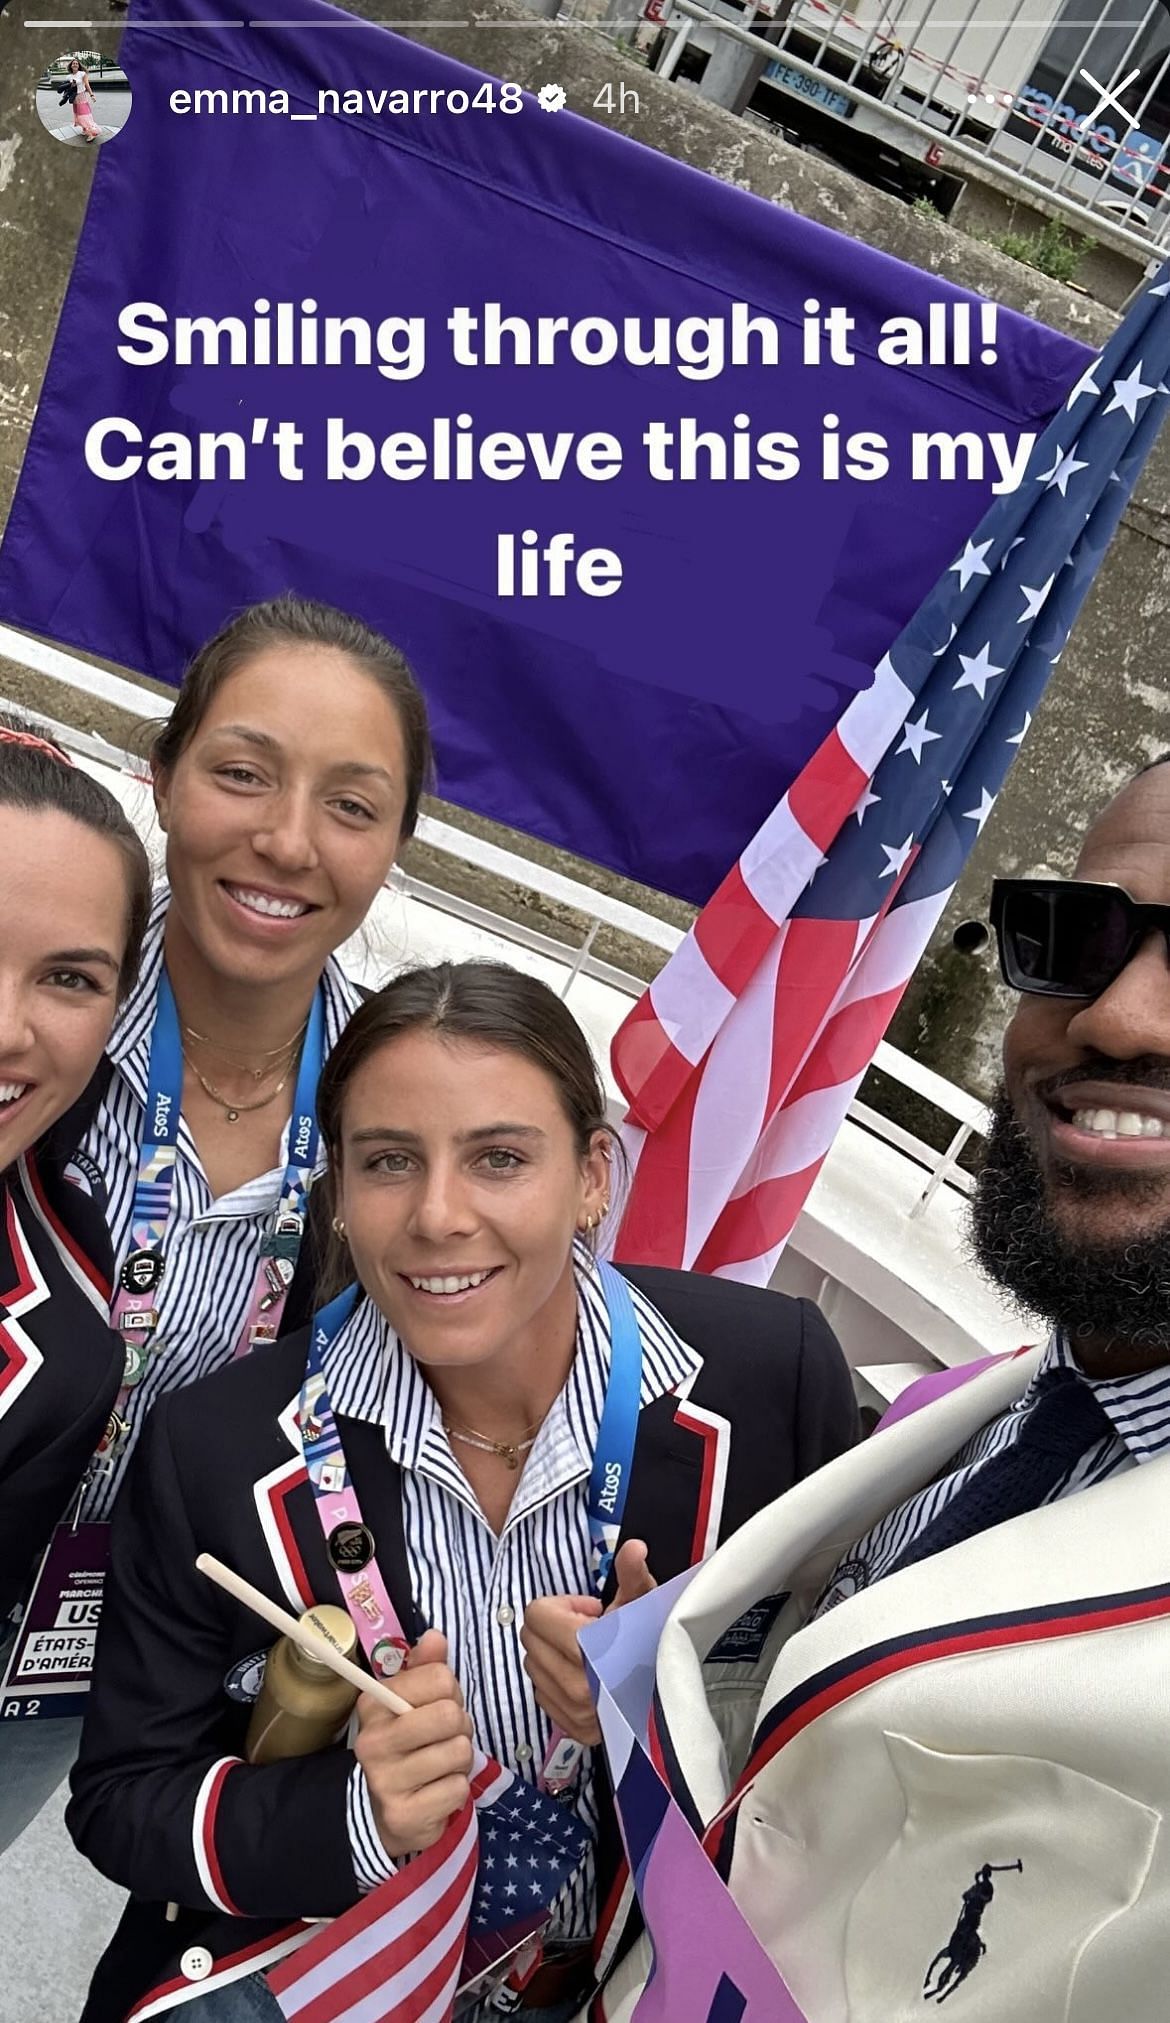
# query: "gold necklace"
[[234, 1110], [270, 1055], [507, 1451]]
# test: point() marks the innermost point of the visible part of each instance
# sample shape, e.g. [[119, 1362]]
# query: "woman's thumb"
[[634, 1577], [431, 1649]]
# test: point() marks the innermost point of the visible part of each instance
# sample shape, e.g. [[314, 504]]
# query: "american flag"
[[741, 1059], [485, 1887]]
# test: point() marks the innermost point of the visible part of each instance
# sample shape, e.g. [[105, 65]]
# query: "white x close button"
[[196, 1964]]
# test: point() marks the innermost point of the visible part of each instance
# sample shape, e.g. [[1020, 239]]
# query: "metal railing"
[[963, 76], [595, 909]]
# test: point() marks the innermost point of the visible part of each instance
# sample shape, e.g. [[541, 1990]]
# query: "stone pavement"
[[56, 1914]]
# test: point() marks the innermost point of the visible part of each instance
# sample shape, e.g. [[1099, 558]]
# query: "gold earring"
[[339, 1229]]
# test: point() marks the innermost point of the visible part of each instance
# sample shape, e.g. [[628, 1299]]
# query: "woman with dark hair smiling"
[[285, 780], [73, 907], [480, 1442]]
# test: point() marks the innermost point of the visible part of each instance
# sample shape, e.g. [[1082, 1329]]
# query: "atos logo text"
[[613, 1482]]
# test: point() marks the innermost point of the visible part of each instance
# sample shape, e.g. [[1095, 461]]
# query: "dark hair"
[[298, 621], [487, 1002], [35, 777]]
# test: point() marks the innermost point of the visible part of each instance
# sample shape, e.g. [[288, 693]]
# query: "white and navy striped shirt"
[[1138, 1410], [466, 1581], [212, 1244]]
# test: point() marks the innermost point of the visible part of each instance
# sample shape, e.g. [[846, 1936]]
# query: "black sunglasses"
[[1061, 937]]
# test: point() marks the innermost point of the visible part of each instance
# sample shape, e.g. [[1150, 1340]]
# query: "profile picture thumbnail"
[[83, 97]]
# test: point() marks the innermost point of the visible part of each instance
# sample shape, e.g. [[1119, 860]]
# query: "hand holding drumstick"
[[414, 1745]]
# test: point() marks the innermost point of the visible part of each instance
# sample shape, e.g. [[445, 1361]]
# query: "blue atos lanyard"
[[609, 1478], [613, 1456], [135, 1311]]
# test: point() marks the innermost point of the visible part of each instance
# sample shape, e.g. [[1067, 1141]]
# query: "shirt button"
[[523, 1752], [505, 1615], [196, 1964]]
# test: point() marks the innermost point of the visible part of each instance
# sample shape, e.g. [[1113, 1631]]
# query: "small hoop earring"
[[339, 1229]]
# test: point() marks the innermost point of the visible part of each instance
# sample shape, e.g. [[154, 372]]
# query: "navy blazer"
[[252, 1853], [60, 1362]]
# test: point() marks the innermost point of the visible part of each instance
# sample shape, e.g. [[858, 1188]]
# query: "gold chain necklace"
[[234, 1110], [507, 1451], [270, 1055]]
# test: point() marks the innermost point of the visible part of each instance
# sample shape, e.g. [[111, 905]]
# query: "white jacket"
[[1006, 1702]]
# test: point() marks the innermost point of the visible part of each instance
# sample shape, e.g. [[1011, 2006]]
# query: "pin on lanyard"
[[350, 1542], [135, 1311], [282, 1241]]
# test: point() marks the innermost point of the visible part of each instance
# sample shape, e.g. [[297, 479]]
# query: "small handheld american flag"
[[448, 1916]]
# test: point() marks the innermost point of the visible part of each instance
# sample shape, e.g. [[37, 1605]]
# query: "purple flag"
[[653, 729], [709, 1967]]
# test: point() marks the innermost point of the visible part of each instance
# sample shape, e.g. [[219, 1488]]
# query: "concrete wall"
[[43, 187], [1108, 707], [991, 206]]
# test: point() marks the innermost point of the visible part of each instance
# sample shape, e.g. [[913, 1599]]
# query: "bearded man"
[[960, 1632]]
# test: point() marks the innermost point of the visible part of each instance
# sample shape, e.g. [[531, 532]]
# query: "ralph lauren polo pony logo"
[[964, 1949]]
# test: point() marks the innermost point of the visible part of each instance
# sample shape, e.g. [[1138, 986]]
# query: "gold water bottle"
[[302, 1704]]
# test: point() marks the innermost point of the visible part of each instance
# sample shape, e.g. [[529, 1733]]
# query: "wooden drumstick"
[[316, 1646]]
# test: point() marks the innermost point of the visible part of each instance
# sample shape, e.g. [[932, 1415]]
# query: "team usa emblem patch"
[[245, 1679]]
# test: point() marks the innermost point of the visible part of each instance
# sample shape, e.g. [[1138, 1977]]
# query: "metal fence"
[[1069, 98]]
